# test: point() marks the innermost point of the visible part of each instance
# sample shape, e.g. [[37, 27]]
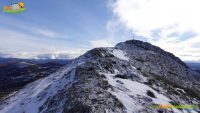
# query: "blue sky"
[[50, 25], [75, 26]]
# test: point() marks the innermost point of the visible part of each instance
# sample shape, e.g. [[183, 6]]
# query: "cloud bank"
[[173, 25], [17, 44]]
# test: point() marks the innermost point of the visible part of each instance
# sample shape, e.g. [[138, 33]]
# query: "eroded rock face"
[[127, 78]]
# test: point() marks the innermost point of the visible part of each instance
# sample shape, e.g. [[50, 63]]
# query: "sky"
[[75, 26]]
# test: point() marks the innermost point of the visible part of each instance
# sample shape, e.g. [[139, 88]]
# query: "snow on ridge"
[[119, 54], [127, 91], [34, 95]]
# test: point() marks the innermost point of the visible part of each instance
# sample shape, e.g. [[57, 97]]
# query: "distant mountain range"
[[16, 73], [194, 66]]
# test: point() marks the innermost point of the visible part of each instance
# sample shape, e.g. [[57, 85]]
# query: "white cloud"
[[35, 29], [69, 54], [46, 33], [13, 40], [21, 45], [158, 20], [101, 43]]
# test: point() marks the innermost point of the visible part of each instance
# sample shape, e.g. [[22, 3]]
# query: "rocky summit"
[[128, 78]]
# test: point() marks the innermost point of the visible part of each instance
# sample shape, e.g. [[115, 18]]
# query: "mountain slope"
[[127, 78], [16, 73]]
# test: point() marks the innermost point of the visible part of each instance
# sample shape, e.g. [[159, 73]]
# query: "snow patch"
[[120, 54], [180, 90], [134, 88]]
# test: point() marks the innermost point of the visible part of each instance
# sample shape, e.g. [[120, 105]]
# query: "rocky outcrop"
[[149, 47]]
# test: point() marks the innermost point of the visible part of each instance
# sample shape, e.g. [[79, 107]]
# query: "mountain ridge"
[[150, 47], [123, 79]]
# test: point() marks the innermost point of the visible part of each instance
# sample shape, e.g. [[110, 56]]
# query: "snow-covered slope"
[[128, 78]]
